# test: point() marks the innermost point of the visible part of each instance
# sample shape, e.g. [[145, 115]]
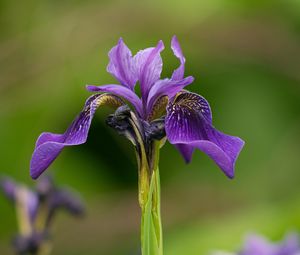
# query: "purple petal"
[[22, 196], [166, 87], [9, 188], [179, 72], [123, 92], [68, 200], [189, 122], [259, 246], [186, 151], [148, 67], [290, 246], [121, 65], [49, 146]]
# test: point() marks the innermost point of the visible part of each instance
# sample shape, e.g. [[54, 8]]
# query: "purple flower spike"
[[189, 124]]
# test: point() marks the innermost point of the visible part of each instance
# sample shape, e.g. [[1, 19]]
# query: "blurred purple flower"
[[257, 245], [56, 199], [21, 195], [36, 210], [9, 188], [29, 244], [186, 118]]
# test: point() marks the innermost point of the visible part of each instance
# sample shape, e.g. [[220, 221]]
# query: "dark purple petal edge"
[[49, 146]]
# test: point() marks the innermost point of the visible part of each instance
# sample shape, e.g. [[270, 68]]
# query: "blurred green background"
[[245, 56]]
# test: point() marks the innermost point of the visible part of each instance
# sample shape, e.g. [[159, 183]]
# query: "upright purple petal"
[[49, 146], [189, 122], [179, 72], [120, 91], [148, 67], [121, 65], [166, 87]]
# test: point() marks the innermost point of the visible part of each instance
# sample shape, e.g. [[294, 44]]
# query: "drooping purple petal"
[[121, 65], [166, 87], [148, 67], [186, 151], [49, 146], [123, 92], [189, 122], [179, 72]]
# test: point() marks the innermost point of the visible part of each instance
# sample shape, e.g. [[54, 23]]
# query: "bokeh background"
[[245, 56]]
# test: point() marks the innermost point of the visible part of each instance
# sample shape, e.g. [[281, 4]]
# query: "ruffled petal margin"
[[179, 72]]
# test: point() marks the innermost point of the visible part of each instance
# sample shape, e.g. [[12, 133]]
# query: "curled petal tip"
[[160, 45], [174, 39], [190, 79], [187, 161], [33, 174], [90, 87], [230, 176]]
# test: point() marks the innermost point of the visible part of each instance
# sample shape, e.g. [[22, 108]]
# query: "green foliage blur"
[[245, 56]]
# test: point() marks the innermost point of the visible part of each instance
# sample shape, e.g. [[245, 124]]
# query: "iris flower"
[[35, 212], [187, 116], [161, 110]]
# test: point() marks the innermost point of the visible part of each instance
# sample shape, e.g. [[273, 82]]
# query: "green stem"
[[151, 227]]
